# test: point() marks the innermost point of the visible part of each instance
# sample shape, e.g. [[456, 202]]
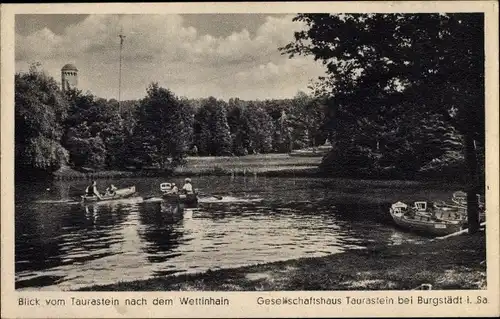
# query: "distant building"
[[69, 77]]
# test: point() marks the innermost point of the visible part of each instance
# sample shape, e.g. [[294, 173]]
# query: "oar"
[[218, 197], [150, 197]]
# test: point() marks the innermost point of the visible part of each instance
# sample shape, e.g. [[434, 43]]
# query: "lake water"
[[61, 244]]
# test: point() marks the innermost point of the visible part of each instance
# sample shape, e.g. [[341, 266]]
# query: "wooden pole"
[[122, 37], [463, 231]]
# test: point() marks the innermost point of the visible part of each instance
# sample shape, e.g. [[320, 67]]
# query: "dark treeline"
[[84, 132], [405, 98]]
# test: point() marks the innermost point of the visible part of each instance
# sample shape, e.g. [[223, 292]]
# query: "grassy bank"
[[269, 165], [453, 263], [70, 174], [272, 165]]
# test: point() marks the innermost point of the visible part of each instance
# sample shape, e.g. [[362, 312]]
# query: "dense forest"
[[391, 104], [55, 128]]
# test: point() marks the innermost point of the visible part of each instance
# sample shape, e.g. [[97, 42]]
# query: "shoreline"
[[313, 172], [451, 263], [309, 172], [269, 165], [265, 165]]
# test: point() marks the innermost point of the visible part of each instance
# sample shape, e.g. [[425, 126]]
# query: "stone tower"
[[69, 77]]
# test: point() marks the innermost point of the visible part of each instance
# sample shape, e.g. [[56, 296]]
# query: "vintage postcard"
[[188, 160]]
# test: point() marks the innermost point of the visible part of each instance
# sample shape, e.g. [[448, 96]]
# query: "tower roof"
[[69, 67]]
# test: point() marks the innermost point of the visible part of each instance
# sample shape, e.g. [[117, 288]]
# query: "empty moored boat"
[[459, 199], [419, 218]]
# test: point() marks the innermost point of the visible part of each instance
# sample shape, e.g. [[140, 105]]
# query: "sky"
[[195, 55]]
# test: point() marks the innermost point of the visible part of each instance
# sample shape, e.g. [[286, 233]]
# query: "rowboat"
[[447, 211], [189, 200], [460, 199], [120, 193], [419, 218]]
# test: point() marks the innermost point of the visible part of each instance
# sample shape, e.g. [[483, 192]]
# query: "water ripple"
[[62, 246]]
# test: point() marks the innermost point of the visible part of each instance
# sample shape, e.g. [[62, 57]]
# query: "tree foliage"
[[257, 129], [40, 109], [95, 133], [163, 130], [212, 128]]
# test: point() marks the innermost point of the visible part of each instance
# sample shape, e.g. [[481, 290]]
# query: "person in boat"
[[174, 189], [111, 190], [188, 187], [166, 188], [91, 190]]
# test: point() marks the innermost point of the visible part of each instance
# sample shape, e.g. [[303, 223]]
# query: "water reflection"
[[62, 244], [56, 236], [91, 213], [160, 230]]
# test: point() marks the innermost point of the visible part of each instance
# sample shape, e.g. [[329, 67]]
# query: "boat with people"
[[187, 199], [170, 193], [116, 194], [421, 218]]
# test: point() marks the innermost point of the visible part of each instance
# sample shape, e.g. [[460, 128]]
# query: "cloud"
[[162, 48], [280, 78]]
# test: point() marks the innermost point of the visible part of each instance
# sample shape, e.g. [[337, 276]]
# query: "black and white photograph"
[[244, 152]]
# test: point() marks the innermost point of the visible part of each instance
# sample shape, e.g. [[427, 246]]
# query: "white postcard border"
[[243, 304]]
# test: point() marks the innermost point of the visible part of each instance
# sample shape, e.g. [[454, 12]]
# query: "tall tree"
[[95, 122], [40, 110], [258, 129], [221, 136], [236, 125], [307, 117], [85, 149], [212, 128], [202, 131], [382, 60], [163, 128]]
